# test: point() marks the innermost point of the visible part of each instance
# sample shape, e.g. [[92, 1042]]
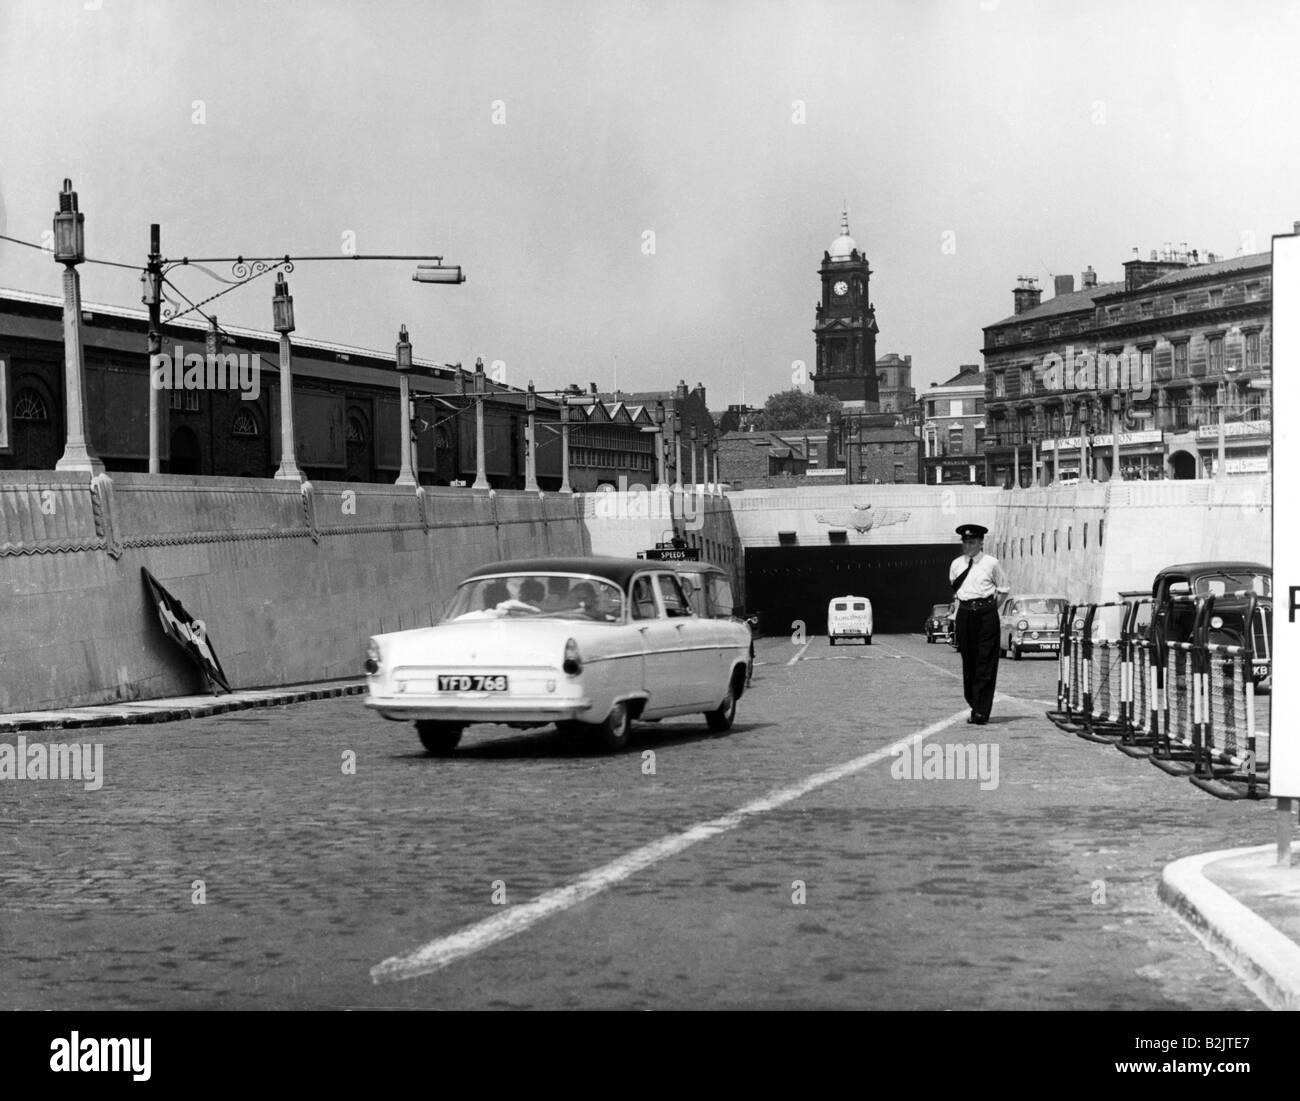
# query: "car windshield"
[[1039, 605], [537, 596], [1225, 581], [939, 610]]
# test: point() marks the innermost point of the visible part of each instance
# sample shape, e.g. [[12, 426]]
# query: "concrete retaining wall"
[[289, 581], [1091, 542]]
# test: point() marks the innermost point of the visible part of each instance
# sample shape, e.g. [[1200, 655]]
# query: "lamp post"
[[70, 250], [564, 445], [660, 444], [406, 430], [480, 446], [151, 296], [695, 482], [677, 447], [530, 456], [282, 309], [1115, 424], [1221, 468]]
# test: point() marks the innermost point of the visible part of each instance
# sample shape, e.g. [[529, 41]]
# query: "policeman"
[[979, 585]]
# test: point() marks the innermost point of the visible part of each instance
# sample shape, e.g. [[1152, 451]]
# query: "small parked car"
[[1174, 620], [937, 623], [1031, 624], [849, 617], [588, 643]]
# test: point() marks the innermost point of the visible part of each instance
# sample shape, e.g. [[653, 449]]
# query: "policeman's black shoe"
[[980, 720]]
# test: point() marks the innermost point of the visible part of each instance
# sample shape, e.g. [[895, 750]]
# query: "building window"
[[356, 430], [1026, 381], [955, 437], [929, 405], [1216, 298], [1253, 292], [979, 406], [1144, 365], [1216, 355], [898, 472], [1180, 359], [1112, 314], [1054, 329], [979, 439], [186, 401], [1180, 303], [999, 384], [243, 424], [1252, 350], [956, 408], [1147, 308], [30, 406]]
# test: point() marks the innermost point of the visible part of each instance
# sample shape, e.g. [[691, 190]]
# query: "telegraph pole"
[[152, 298]]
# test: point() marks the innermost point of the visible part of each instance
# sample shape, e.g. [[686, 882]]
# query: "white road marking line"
[[800, 653], [474, 938]]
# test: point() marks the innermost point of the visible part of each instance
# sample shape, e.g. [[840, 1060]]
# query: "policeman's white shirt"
[[986, 577]]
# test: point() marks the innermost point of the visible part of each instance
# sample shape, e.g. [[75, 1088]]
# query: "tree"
[[790, 409]]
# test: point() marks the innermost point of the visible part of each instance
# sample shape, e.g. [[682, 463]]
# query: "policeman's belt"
[[981, 602]]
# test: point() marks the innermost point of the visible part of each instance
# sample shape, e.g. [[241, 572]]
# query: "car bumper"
[[1042, 645], [479, 709]]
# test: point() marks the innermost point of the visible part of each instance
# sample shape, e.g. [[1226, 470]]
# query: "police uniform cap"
[[972, 531]]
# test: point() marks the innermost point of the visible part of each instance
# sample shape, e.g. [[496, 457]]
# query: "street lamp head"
[[695, 435], [69, 229], [282, 306], [438, 273], [659, 413], [480, 377], [530, 400], [403, 350], [564, 409]]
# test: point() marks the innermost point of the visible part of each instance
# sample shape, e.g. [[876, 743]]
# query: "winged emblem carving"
[[862, 518]]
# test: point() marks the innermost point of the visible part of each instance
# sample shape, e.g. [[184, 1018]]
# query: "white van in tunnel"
[[849, 617]]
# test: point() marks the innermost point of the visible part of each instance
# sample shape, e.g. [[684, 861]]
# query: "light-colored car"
[[589, 643], [1031, 624], [849, 617]]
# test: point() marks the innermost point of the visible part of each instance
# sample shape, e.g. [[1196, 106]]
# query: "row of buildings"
[[348, 421]]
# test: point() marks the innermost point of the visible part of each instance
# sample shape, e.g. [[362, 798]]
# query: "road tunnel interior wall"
[[289, 582]]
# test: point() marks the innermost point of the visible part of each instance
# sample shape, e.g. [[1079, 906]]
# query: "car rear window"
[[859, 607], [841, 607]]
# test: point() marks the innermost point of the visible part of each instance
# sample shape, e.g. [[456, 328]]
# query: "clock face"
[[841, 288]]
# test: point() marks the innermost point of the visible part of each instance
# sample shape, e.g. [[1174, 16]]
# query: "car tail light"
[[1216, 622], [1023, 625], [572, 658], [372, 657]]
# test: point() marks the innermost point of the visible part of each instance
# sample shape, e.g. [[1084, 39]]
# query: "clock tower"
[[846, 325]]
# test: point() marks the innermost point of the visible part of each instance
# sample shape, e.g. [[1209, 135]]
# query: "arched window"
[[356, 430], [243, 424], [30, 406]]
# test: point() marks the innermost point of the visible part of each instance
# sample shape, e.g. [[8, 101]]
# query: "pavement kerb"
[[130, 712], [1267, 961]]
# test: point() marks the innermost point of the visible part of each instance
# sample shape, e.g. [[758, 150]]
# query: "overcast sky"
[[536, 144]]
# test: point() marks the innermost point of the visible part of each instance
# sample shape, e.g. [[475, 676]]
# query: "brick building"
[[1129, 378], [953, 432], [347, 421]]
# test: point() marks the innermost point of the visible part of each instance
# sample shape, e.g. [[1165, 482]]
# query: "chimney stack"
[[1089, 277], [1064, 285], [1027, 294]]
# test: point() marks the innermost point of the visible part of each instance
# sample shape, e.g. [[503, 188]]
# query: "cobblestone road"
[[1038, 892]]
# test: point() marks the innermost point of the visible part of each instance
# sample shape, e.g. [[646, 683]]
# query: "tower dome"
[[843, 246]]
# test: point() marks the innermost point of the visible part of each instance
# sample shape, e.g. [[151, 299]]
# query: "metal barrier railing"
[[1188, 705]]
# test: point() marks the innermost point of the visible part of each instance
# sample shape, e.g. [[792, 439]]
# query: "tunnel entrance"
[[785, 584]]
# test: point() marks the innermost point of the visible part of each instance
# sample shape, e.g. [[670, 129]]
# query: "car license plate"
[[473, 682]]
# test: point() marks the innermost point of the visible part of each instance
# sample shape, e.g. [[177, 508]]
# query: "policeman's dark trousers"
[[977, 642]]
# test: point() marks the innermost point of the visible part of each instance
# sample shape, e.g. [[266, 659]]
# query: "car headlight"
[[1078, 625], [572, 658], [372, 657], [1023, 625], [1216, 622]]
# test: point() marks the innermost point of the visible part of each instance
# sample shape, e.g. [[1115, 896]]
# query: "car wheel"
[[831, 640], [613, 733], [929, 640], [720, 720], [439, 738], [866, 640], [1015, 652]]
